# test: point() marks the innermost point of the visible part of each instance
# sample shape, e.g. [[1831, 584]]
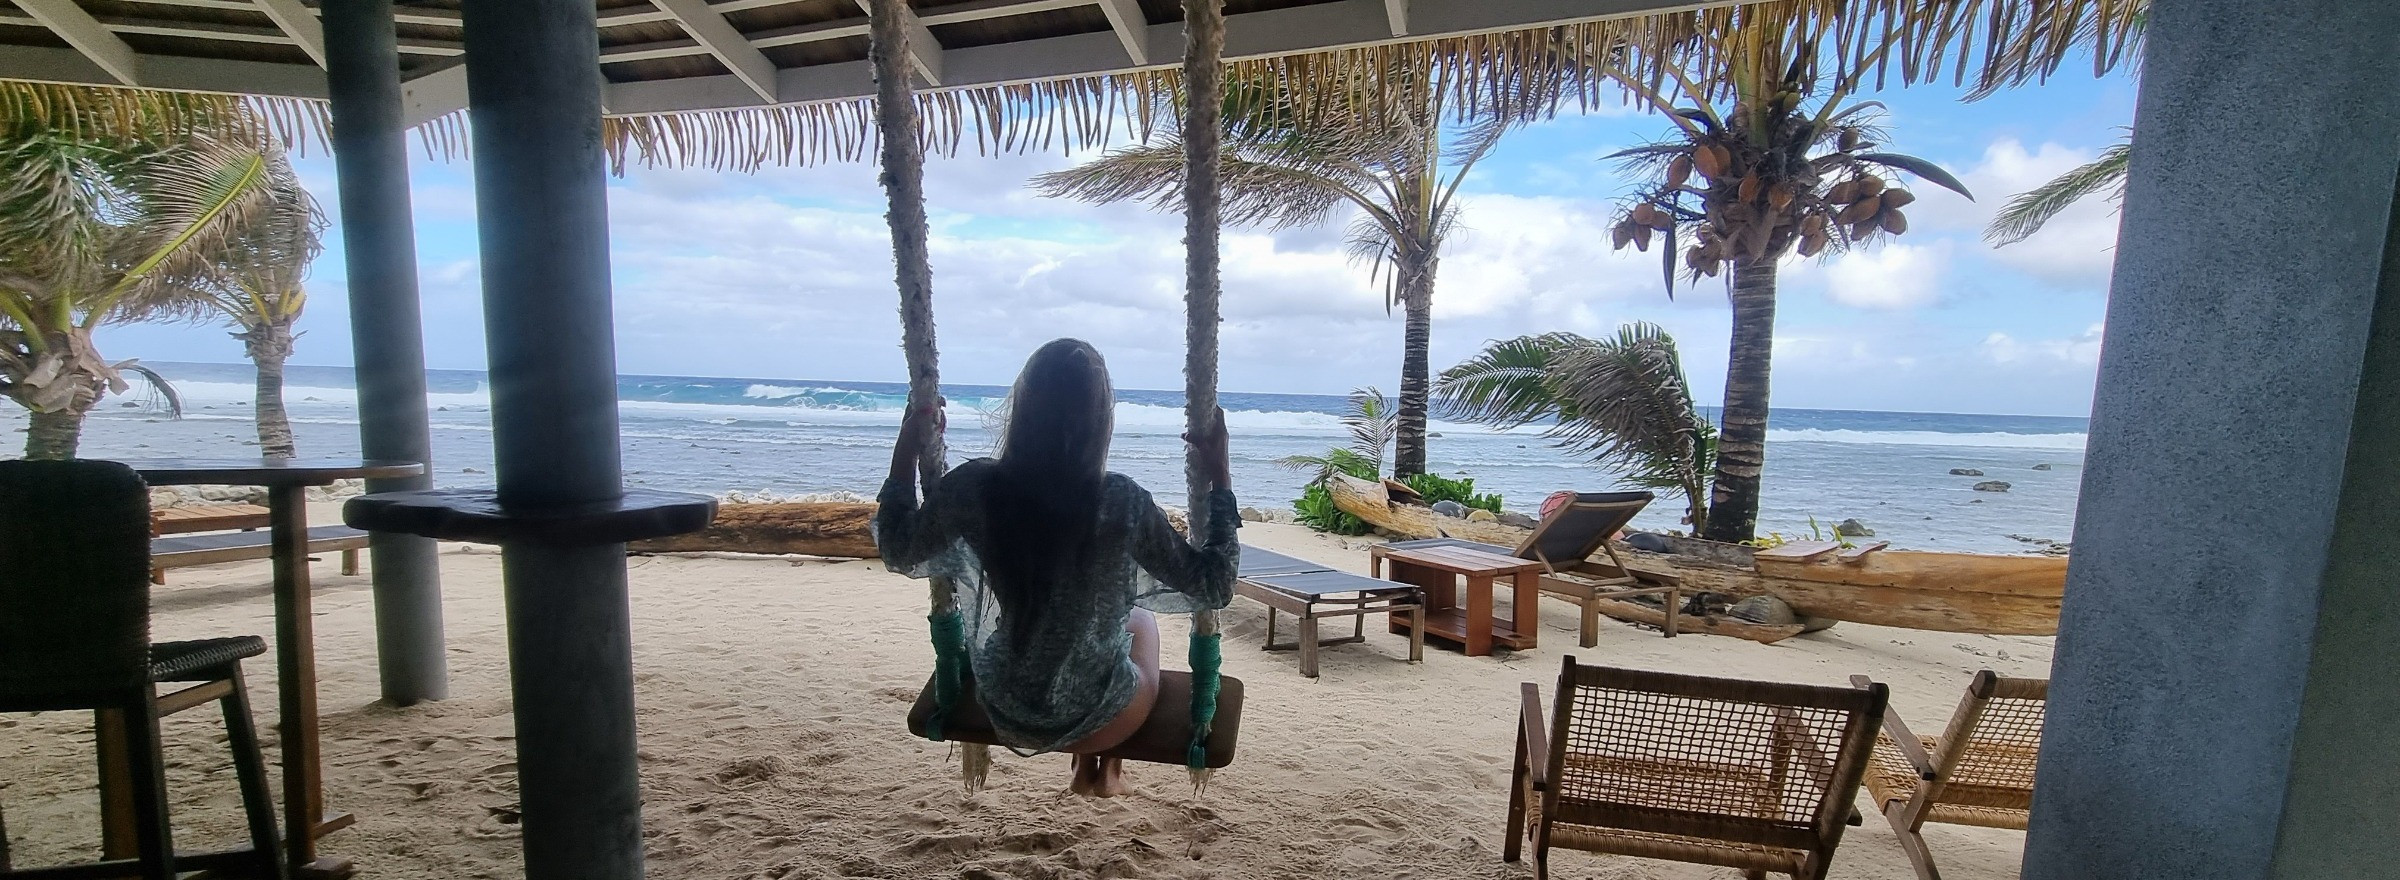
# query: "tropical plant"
[[1371, 423], [1622, 400], [106, 214], [255, 282], [1768, 157], [1435, 489], [1398, 164], [2029, 211], [1315, 509]]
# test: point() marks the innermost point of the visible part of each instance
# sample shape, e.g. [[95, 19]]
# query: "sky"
[[786, 273]]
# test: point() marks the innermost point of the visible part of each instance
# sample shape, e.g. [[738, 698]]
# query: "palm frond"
[[1919, 167], [1373, 423], [1507, 383], [2029, 211]]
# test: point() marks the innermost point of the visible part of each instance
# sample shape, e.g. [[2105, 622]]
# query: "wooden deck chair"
[[1564, 543], [1311, 592], [1978, 772], [1752, 775]]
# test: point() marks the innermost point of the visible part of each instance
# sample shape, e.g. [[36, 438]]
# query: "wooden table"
[[1437, 571], [287, 483]]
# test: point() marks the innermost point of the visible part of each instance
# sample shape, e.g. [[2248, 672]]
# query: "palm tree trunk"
[[54, 434], [1416, 370], [269, 345], [1742, 445]]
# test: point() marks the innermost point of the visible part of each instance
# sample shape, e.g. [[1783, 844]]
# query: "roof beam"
[[86, 34], [728, 45], [1396, 11], [431, 96], [1132, 27], [300, 23], [924, 52]]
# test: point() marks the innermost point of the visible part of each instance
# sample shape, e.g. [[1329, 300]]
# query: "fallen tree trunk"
[[1371, 502], [812, 528]]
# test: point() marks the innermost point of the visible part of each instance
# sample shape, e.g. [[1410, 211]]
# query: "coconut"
[[1679, 171], [1843, 193], [1894, 222], [1641, 238], [1862, 209], [1898, 198], [1620, 235], [1864, 228], [1779, 196], [1810, 244], [1710, 160], [1869, 185], [1748, 190]]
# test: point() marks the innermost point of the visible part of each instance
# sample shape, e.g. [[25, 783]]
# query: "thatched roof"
[[743, 83]]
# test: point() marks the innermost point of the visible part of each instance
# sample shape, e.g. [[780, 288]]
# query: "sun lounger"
[[1752, 775], [183, 551], [1564, 542], [1978, 772], [1312, 591]]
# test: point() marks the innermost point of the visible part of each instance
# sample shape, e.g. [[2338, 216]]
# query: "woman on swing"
[[1058, 563]]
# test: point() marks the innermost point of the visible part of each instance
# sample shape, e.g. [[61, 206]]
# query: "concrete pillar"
[[2221, 696], [370, 152], [534, 85]]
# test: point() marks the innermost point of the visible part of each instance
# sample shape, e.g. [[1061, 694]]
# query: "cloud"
[[1892, 276], [2081, 350], [2075, 250]]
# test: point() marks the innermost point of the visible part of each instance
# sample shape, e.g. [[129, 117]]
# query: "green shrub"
[[1436, 488], [1315, 509]]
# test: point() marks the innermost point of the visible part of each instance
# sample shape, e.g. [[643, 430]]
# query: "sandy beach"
[[772, 693]]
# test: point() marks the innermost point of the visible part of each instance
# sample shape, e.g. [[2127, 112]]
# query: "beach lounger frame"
[[1564, 542], [1978, 772], [1753, 775], [1312, 592]]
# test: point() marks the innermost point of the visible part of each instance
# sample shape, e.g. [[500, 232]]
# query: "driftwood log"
[[839, 529], [813, 528], [1370, 501]]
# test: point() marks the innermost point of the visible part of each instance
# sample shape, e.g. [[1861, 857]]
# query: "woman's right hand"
[[916, 427]]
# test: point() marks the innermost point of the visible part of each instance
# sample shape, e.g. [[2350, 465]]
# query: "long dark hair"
[[1053, 460]]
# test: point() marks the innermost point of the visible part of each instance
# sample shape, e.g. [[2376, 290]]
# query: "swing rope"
[[903, 164], [1204, 101]]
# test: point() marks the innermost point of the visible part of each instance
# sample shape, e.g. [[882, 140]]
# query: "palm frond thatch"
[[1985, 44], [2030, 210]]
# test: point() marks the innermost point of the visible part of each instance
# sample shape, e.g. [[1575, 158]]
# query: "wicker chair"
[[1757, 776], [1978, 772], [75, 634]]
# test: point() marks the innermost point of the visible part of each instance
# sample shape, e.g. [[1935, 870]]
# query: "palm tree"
[[2030, 210], [105, 215], [1767, 158], [255, 283], [1372, 425], [1281, 167], [1622, 400]]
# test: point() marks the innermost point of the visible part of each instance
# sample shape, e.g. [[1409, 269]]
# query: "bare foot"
[[1099, 777]]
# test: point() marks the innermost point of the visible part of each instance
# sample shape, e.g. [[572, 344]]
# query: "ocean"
[[782, 437]]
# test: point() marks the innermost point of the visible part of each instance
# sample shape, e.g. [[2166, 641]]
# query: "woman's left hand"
[[918, 426], [1215, 449]]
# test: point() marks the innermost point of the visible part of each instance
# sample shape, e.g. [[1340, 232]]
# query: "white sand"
[[772, 697]]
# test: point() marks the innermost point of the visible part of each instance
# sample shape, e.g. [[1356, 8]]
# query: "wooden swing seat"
[[1165, 738]]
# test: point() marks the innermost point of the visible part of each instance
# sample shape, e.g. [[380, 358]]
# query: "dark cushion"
[[1165, 738]]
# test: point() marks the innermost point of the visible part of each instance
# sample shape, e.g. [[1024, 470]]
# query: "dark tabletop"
[[266, 471]]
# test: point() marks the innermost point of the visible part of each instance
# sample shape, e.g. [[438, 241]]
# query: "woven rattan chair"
[[75, 634], [1752, 775], [1978, 772]]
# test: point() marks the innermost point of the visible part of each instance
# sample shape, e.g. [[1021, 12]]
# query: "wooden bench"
[[184, 551], [207, 518]]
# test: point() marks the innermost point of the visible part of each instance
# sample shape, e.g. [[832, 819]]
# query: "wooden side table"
[[1438, 570]]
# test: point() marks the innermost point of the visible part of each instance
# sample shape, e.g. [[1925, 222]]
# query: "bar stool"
[[75, 634]]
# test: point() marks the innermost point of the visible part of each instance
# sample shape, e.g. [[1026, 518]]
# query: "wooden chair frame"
[[1651, 832], [1936, 769], [1282, 586]]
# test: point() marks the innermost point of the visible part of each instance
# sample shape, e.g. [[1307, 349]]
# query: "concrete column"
[[534, 84], [2221, 696], [370, 152]]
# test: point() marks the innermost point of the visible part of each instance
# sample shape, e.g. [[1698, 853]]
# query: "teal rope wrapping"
[[949, 663], [1207, 657]]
